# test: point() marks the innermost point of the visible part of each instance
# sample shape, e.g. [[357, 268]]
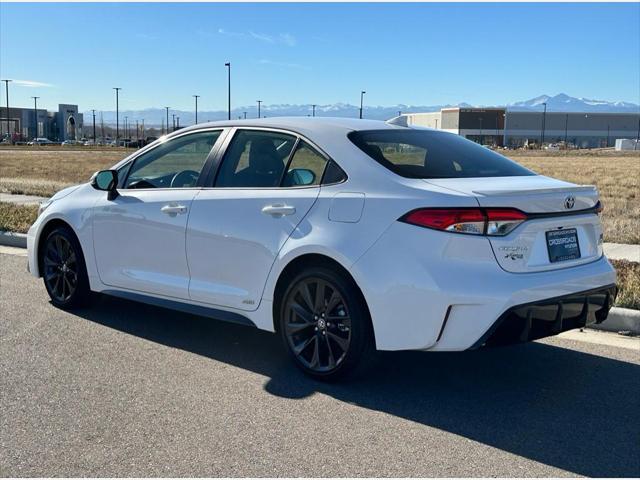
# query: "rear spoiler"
[[503, 193]]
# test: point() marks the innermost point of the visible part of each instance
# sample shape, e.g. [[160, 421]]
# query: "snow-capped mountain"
[[560, 102], [566, 103]]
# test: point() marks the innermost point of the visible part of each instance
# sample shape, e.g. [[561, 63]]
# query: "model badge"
[[569, 202], [516, 252]]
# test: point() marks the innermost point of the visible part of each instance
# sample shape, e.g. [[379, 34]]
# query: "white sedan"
[[344, 236]]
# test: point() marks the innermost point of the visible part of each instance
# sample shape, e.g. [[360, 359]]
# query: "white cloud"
[[262, 37], [281, 39], [31, 84]]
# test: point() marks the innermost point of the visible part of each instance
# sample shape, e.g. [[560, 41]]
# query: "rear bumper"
[[531, 321]]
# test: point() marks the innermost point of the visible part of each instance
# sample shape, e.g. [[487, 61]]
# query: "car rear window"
[[427, 154]]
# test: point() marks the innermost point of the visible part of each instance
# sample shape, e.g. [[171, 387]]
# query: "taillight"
[[475, 221]]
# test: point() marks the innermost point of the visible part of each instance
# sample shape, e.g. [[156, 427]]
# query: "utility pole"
[[102, 125], [93, 113], [167, 108], [259, 102], [196, 97], [117, 89], [544, 119], [173, 122], [178, 123], [361, 101], [126, 129], [313, 111], [35, 116], [228, 65], [6, 85]]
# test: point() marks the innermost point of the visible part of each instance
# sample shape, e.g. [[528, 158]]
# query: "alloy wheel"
[[317, 324], [60, 268]]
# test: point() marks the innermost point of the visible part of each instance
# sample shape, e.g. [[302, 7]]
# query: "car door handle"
[[278, 210], [173, 210]]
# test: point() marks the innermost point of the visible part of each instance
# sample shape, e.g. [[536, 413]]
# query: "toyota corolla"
[[344, 236]]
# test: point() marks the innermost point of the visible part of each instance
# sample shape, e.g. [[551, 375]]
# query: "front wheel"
[[63, 269], [325, 325]]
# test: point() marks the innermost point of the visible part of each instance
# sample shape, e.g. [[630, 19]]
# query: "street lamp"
[[173, 122], [196, 97], [544, 119], [35, 116], [93, 113], [6, 84], [228, 65], [259, 102], [167, 129], [126, 130], [117, 89], [178, 123], [361, 101]]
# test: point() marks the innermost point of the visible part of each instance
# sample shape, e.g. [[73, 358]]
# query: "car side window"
[[306, 167], [174, 164], [255, 159]]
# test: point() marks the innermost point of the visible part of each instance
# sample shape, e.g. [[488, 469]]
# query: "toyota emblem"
[[569, 202]]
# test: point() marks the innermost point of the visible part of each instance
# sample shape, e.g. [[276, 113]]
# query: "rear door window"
[[426, 154]]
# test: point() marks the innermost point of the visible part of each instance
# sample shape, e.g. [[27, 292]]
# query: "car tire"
[[64, 271], [325, 325]]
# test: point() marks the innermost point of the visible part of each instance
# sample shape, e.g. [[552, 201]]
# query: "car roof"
[[308, 126]]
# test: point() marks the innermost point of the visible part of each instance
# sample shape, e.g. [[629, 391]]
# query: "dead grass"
[[628, 284], [17, 218], [616, 176], [43, 171]]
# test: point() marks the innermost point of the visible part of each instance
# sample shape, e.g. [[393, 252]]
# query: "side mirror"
[[300, 176], [106, 180]]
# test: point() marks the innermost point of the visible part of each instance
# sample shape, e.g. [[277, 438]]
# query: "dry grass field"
[[43, 171]]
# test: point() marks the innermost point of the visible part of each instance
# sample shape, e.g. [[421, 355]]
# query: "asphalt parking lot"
[[129, 390]]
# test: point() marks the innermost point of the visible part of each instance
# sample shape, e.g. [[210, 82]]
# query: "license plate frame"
[[563, 245]]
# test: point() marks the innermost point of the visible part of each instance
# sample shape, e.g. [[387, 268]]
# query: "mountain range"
[[560, 102]]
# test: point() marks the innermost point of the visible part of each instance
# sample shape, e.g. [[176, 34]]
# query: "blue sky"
[[416, 54]]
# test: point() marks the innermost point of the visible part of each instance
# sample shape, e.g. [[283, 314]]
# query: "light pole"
[[544, 119], [245, 115], [173, 122], [117, 89], [167, 109], [177, 123], [35, 116], [313, 110], [93, 114], [6, 85], [142, 130], [361, 101], [259, 102], [126, 130], [196, 97], [228, 65]]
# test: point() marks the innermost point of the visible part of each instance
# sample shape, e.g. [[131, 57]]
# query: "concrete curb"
[[620, 320], [12, 239]]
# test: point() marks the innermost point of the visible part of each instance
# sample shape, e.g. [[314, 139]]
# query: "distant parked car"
[[69, 142], [40, 141]]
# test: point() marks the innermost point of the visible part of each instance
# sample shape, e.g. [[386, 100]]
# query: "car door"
[[264, 186], [139, 237]]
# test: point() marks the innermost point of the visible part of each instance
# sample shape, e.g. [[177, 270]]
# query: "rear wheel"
[[63, 269], [325, 325]]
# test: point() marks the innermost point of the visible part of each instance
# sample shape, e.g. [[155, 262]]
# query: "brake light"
[[474, 221]]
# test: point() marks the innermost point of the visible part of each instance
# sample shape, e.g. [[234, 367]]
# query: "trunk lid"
[[556, 220]]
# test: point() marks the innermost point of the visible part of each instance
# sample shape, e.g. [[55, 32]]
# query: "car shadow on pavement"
[[564, 408]]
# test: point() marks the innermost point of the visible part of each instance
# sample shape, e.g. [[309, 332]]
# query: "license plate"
[[563, 245]]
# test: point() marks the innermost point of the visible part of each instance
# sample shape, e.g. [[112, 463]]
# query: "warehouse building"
[[27, 123], [504, 127]]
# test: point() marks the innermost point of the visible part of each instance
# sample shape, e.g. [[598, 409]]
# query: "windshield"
[[430, 154]]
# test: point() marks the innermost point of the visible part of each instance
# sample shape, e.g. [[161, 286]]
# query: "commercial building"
[[27, 123], [504, 127]]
